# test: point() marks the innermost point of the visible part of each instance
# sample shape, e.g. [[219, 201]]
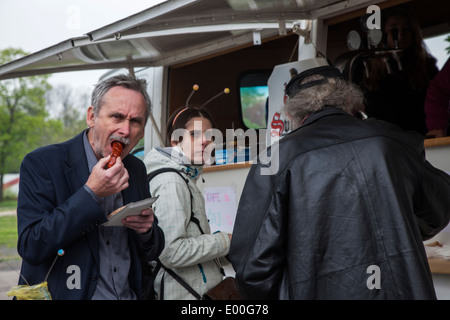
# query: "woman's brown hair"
[[180, 118], [415, 59]]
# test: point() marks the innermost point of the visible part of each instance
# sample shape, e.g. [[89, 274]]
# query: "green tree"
[[24, 123], [68, 106]]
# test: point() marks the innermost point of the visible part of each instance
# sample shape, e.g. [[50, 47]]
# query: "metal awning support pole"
[[130, 67], [155, 127], [152, 119]]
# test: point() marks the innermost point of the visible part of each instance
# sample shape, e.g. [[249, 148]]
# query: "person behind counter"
[[437, 103], [191, 251], [345, 215], [398, 95], [66, 194]]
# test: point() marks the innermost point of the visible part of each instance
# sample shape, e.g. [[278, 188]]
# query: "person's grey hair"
[[337, 92], [122, 80]]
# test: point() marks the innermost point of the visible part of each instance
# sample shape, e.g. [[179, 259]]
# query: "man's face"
[[121, 117]]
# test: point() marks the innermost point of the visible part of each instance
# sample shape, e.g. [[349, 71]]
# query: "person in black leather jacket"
[[347, 211]]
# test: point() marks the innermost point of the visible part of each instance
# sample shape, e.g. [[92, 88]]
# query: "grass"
[[8, 238], [8, 231], [7, 205]]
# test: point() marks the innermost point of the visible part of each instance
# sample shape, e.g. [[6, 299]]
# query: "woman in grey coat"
[[191, 252]]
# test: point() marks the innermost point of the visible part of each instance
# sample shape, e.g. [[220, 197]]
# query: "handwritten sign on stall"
[[220, 205]]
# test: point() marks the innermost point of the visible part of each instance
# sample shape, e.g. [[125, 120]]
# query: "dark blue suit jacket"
[[55, 212]]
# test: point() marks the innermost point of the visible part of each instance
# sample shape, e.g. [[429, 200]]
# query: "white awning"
[[176, 31]]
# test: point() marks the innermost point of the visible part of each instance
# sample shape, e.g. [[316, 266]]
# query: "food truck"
[[248, 47]]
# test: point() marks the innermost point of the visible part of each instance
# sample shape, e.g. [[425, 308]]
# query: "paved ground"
[[8, 277], [7, 213]]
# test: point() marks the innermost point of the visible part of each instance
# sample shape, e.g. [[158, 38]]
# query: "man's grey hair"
[[122, 80], [337, 92]]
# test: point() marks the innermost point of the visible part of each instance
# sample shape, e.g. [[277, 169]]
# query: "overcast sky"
[[37, 24], [33, 25]]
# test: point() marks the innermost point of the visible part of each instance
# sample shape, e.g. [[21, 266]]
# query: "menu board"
[[220, 205]]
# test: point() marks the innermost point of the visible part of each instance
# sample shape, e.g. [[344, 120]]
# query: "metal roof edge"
[[55, 50], [133, 20]]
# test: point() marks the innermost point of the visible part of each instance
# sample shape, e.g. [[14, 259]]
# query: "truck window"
[[253, 94]]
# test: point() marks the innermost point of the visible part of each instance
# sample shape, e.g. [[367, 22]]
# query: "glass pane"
[[253, 95]]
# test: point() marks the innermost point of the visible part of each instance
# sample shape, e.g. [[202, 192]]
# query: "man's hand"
[[141, 223], [107, 182]]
